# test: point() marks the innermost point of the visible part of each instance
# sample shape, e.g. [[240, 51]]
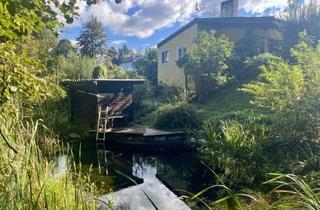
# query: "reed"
[[295, 192], [27, 180]]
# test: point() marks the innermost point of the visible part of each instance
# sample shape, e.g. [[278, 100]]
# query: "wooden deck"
[[145, 139]]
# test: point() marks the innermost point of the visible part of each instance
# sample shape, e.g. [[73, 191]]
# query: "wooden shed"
[[86, 96]]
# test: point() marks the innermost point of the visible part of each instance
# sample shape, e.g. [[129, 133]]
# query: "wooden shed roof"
[[102, 81]]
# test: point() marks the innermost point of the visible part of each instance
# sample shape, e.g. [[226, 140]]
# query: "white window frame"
[[165, 57], [183, 52]]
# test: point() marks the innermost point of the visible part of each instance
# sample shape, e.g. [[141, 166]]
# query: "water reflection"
[[61, 164], [159, 179]]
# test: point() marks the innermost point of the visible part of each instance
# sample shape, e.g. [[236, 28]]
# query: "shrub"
[[179, 116], [168, 93], [99, 72], [252, 65]]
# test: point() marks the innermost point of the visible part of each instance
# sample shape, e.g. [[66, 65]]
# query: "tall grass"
[[236, 150], [27, 180], [295, 192]]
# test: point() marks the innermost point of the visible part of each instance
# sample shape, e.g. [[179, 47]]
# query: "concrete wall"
[[169, 73]]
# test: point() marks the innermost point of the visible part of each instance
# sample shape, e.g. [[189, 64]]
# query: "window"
[[181, 53], [165, 57]]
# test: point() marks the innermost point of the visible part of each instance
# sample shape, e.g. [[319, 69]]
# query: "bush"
[[179, 116], [99, 72]]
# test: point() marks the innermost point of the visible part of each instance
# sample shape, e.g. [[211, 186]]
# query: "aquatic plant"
[[27, 180], [295, 192]]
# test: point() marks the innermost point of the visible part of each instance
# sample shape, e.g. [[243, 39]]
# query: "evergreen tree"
[[92, 39]]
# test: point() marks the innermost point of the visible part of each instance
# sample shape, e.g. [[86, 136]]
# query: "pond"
[[138, 180]]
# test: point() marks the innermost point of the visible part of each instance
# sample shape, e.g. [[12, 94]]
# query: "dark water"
[[181, 173]]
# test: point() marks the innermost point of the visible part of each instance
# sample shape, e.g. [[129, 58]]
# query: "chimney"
[[229, 8]]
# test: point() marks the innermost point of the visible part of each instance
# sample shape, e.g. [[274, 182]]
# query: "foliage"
[[113, 56], [292, 91], [232, 200], [41, 46], [99, 72], [18, 78], [206, 62], [179, 116], [92, 39], [117, 72], [296, 192], [124, 52], [64, 48], [251, 67], [27, 181], [299, 17], [76, 66], [231, 145], [279, 86], [249, 46], [21, 18], [148, 66], [141, 93]]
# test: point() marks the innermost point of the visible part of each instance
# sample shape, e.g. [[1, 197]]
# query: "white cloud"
[[259, 6], [152, 15], [250, 6], [119, 43]]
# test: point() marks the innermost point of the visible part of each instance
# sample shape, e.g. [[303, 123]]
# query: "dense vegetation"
[[32, 62], [249, 126], [263, 119]]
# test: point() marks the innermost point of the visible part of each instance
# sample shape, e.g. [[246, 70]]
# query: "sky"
[[141, 24]]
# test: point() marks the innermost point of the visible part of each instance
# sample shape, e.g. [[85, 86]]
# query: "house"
[[86, 96], [266, 30]]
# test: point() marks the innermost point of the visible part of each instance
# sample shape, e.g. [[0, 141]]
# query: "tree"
[[300, 17], [291, 92], [92, 39], [124, 53], [64, 48], [206, 61], [113, 55], [278, 87], [148, 66]]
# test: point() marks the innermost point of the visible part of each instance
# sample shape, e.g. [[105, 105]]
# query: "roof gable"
[[227, 22]]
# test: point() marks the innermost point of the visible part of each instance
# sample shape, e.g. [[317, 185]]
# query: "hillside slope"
[[226, 103]]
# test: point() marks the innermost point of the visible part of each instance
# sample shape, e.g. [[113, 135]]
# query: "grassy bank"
[[227, 103]]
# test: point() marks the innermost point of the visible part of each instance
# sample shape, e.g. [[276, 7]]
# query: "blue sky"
[[144, 23]]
